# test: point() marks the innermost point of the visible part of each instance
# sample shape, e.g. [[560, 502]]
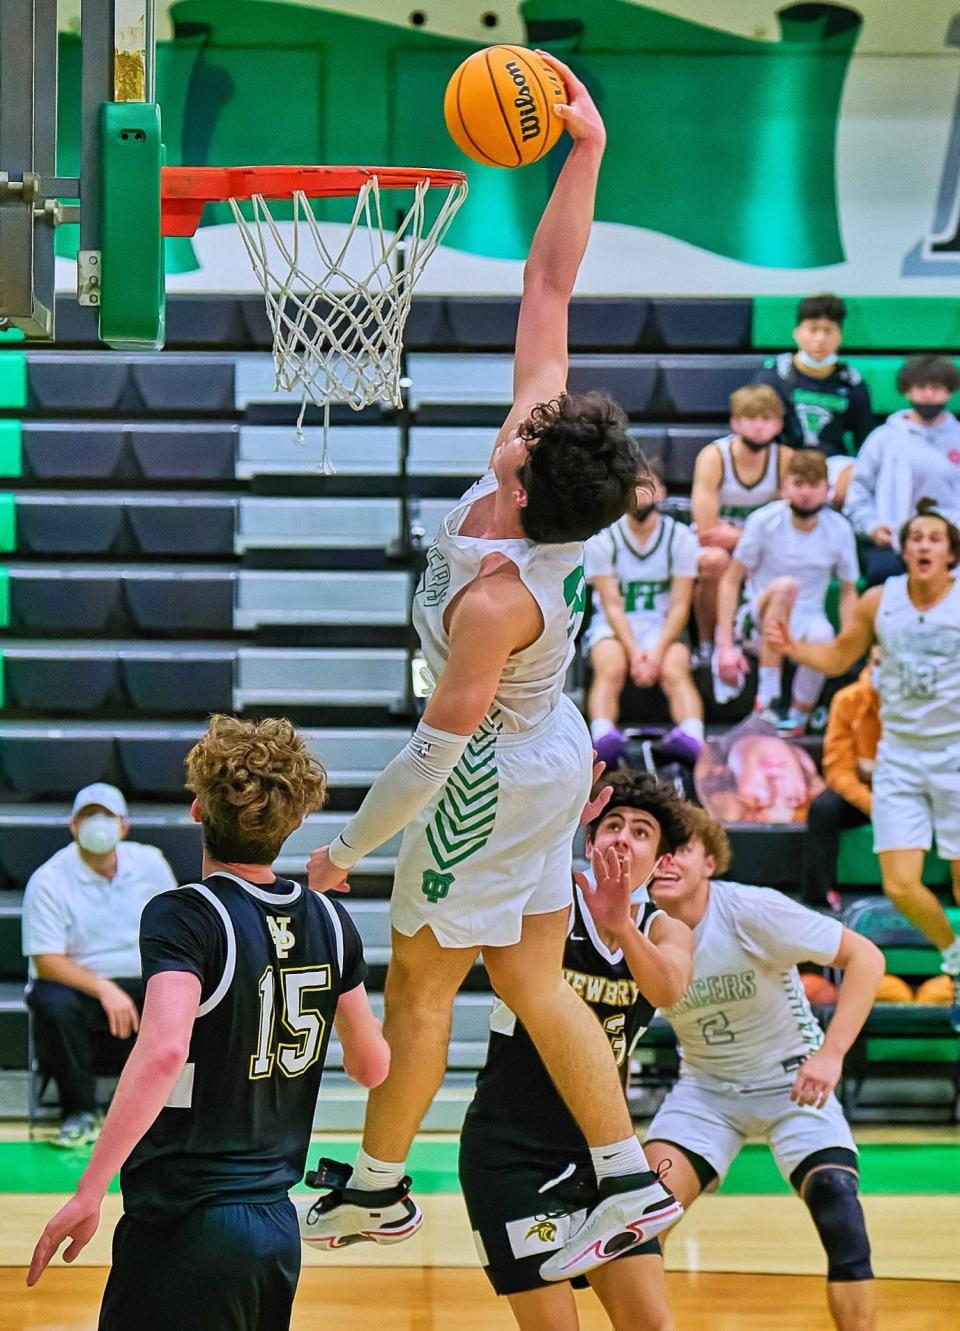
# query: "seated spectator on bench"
[[849, 756], [732, 478], [788, 553], [642, 570], [915, 453], [826, 401], [81, 929]]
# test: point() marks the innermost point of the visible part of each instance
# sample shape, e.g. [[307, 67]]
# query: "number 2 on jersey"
[[303, 1021], [716, 1029]]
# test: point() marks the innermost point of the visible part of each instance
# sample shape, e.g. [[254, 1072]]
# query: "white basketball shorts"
[[916, 799]]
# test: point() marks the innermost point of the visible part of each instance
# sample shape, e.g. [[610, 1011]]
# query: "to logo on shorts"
[[435, 886]]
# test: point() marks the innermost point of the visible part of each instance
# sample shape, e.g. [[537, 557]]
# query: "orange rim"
[[186, 190]]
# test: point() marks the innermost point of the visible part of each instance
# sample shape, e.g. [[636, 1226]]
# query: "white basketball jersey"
[[532, 680], [919, 676], [644, 572], [738, 500], [745, 1018]]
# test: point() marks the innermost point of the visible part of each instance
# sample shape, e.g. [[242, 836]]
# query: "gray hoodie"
[[901, 462]]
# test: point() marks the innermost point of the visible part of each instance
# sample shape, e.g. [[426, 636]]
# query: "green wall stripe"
[[3, 681], [13, 379], [895, 323], [4, 598], [857, 864], [885, 1167], [11, 448], [8, 521]]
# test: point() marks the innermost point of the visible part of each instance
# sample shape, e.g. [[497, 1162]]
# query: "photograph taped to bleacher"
[[751, 775]]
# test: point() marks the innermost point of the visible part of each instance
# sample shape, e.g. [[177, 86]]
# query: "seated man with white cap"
[[81, 928]]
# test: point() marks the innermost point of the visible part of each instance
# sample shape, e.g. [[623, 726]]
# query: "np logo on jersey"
[[435, 886], [435, 582], [283, 938]]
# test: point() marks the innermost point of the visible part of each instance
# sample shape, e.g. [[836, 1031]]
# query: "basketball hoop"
[[337, 306]]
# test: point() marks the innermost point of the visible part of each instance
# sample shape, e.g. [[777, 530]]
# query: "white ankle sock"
[[370, 1174], [618, 1158], [601, 726], [693, 727], [951, 958], [768, 685]]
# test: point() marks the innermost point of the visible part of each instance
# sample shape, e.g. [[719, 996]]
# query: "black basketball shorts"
[[523, 1208], [232, 1268]]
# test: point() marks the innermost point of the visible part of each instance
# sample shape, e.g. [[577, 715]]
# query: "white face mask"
[[815, 364], [99, 833], [641, 893]]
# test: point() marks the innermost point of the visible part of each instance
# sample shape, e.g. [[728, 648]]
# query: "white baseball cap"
[[100, 793]]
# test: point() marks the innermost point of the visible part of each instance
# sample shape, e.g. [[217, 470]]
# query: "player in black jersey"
[[245, 973], [525, 1168], [826, 401]]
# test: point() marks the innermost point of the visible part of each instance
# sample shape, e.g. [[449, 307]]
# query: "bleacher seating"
[[176, 549]]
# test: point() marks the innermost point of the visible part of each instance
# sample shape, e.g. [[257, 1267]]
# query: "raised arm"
[[541, 357], [833, 658]]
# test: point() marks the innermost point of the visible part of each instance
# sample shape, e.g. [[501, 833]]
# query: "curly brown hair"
[[711, 835], [582, 468], [647, 793], [254, 781]]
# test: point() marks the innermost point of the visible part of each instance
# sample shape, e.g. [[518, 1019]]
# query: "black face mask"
[[929, 411], [642, 513], [799, 511], [754, 448]]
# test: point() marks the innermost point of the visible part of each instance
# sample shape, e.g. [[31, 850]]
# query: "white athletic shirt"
[[919, 675], [738, 500], [643, 571], [532, 681], [745, 1018], [771, 547]]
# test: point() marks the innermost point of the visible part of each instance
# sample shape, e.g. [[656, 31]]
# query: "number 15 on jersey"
[[300, 1018]]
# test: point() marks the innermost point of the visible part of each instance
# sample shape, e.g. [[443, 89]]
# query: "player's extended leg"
[[686, 705], [774, 606], [808, 683], [830, 1191], [902, 874], [608, 661], [421, 984], [633, 1292], [713, 562], [551, 1308], [633, 1205]]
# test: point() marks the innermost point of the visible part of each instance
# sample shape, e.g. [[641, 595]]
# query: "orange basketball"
[[938, 990], [499, 106], [818, 989], [894, 990]]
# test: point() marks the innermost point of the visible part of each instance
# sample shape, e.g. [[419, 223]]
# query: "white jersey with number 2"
[[745, 1018]]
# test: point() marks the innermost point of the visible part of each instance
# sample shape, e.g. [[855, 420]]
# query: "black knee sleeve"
[[831, 1196]]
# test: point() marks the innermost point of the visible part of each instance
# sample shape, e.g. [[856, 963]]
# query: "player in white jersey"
[[642, 571], [788, 553], [915, 619], [491, 786], [732, 478], [754, 1062]]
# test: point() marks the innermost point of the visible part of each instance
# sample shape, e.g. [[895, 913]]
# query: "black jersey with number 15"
[[516, 1103], [272, 963]]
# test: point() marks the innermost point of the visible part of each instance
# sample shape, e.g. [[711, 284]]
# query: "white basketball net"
[[338, 307]]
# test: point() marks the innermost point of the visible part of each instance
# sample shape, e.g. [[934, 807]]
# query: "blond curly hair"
[[254, 781], [712, 836]]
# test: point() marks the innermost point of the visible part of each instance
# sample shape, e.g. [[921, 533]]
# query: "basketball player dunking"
[[245, 972], [491, 785], [915, 618]]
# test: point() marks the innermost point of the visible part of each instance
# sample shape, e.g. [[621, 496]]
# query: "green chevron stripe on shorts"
[[467, 810]]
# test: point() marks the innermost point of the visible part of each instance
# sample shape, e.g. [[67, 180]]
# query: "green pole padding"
[[11, 448], [132, 283], [12, 335], [4, 598], [881, 323], [13, 379], [8, 521]]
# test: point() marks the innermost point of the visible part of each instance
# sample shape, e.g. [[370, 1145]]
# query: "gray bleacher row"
[[40, 761], [198, 451], [203, 526], [84, 676], [181, 383]]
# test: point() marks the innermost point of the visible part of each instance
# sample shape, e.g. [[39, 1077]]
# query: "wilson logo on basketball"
[[524, 102]]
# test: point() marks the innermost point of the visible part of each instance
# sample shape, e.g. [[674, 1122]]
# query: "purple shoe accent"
[[681, 746], [611, 747]]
